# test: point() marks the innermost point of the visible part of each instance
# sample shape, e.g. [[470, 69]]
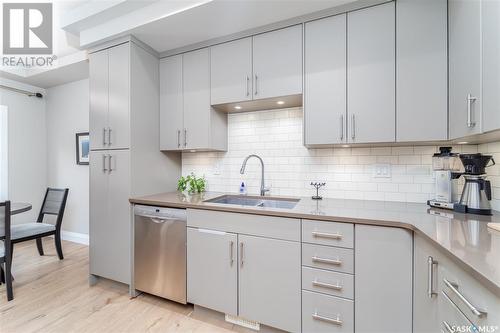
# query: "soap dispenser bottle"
[[243, 189]]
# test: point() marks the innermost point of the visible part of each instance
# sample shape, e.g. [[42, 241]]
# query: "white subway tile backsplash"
[[276, 136]]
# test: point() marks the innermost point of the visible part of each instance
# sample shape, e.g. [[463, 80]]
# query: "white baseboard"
[[75, 237]]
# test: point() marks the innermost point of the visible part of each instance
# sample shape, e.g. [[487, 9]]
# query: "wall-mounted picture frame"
[[82, 148]]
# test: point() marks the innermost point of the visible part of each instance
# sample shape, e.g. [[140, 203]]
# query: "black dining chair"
[[54, 203], [6, 249]]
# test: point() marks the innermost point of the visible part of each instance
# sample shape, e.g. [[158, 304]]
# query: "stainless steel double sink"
[[255, 201]]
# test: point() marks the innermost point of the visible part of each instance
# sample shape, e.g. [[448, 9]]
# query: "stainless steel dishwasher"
[[160, 252]]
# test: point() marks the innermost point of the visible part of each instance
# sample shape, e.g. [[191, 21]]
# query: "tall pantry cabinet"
[[125, 157]]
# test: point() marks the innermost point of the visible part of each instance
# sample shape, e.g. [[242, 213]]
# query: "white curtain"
[[4, 165]]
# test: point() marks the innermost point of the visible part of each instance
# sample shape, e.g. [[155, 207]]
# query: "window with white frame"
[[4, 166]]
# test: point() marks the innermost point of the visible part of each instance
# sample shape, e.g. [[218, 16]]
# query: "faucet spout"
[[263, 189]]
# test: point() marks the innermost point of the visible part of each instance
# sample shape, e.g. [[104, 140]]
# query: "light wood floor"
[[54, 296]]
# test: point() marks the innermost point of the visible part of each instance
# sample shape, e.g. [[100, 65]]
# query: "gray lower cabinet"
[[383, 279], [269, 281], [212, 270]]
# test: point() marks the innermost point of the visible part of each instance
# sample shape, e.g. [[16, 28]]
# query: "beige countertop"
[[465, 238]]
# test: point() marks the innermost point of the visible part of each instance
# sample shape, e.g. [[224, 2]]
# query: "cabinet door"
[[171, 103], [212, 270], [277, 63], [490, 17], [270, 282], [196, 82], [464, 21], [371, 74], [421, 70], [98, 81], [116, 230], [231, 71], [325, 81], [383, 271], [425, 291], [119, 97], [98, 219]]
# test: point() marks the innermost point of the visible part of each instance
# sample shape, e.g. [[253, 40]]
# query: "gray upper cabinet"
[[371, 74], [325, 81], [490, 12], [110, 116], [277, 63], [231, 71], [383, 271], [212, 268], [421, 70], [464, 23], [171, 100], [270, 282], [187, 121]]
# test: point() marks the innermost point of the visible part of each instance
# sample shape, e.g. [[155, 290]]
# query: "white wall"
[[290, 167], [68, 114], [27, 153]]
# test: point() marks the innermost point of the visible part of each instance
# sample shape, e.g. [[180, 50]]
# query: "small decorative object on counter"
[[196, 184], [317, 186], [243, 189]]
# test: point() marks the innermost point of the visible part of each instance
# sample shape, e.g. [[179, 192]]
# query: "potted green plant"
[[195, 184]]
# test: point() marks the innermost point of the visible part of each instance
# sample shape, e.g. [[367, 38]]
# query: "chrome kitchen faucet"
[[263, 189]]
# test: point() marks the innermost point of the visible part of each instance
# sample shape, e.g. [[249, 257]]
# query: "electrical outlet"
[[382, 171], [216, 169]]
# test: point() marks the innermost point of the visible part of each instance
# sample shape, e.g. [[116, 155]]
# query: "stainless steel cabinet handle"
[[319, 234], [248, 86], [241, 254], [335, 321], [109, 163], [104, 136], [336, 262], [448, 327], [341, 127], [327, 285], [104, 169], [353, 126], [178, 138], [256, 79], [454, 288], [231, 258], [185, 137], [470, 100], [430, 276], [109, 135]]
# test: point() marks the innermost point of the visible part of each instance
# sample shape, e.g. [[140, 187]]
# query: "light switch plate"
[[382, 171]]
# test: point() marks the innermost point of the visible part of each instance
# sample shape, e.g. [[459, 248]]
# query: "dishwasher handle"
[[158, 219]]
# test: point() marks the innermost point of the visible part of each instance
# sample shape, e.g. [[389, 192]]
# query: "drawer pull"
[[326, 235], [448, 327], [327, 285], [335, 321], [336, 262], [454, 287]]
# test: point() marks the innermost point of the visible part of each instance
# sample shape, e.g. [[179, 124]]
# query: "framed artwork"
[[82, 148]]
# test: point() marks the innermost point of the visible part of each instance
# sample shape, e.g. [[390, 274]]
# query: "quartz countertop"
[[465, 238]]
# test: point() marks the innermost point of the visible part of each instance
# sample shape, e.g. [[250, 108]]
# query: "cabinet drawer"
[[327, 282], [249, 224], [323, 313], [326, 257], [328, 233]]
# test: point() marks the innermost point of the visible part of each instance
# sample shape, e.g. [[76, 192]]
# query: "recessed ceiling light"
[[192, 151], [237, 107], [280, 102], [462, 142], [345, 146]]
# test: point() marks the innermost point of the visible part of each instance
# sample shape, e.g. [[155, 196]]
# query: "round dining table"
[[19, 207]]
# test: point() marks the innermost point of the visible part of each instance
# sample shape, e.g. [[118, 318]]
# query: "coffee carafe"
[[476, 194]]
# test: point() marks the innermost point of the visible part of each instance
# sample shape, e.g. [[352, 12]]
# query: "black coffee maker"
[[476, 194]]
